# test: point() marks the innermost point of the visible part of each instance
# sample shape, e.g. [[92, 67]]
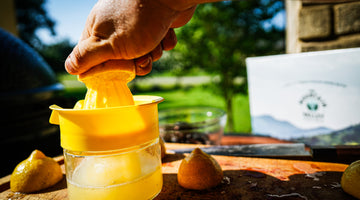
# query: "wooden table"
[[236, 139], [244, 178]]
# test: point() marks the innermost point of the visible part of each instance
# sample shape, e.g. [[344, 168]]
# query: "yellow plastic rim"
[[105, 129]]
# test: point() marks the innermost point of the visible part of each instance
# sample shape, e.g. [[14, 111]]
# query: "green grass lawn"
[[192, 96], [200, 96]]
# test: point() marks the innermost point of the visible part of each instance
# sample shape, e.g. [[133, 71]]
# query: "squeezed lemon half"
[[35, 173], [351, 178], [199, 171], [107, 87]]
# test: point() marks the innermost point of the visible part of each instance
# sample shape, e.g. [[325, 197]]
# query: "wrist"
[[179, 5]]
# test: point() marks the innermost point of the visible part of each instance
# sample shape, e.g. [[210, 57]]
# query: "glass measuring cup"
[[114, 174], [111, 153]]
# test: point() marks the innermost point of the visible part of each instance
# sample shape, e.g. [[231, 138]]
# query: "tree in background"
[[221, 35], [56, 54], [31, 15]]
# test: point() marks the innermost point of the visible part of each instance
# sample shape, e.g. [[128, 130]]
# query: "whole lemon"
[[35, 173], [350, 180], [199, 171]]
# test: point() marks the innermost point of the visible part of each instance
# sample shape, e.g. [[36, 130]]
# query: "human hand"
[[135, 32]]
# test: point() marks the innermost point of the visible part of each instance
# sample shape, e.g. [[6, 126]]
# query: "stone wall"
[[314, 25]]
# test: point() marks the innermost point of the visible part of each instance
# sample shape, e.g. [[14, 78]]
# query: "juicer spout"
[[54, 117]]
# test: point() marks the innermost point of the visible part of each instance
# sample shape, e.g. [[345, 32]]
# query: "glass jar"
[[195, 125], [129, 173], [111, 153]]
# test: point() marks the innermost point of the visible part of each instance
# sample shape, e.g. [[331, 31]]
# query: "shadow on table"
[[244, 184]]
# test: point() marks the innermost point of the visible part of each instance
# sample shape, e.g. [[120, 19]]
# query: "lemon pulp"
[[107, 88]]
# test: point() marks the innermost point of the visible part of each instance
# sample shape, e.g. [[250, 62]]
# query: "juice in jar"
[[129, 175], [145, 187]]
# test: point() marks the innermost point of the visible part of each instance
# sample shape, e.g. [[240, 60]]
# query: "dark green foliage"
[[221, 35], [31, 16], [347, 136], [56, 54]]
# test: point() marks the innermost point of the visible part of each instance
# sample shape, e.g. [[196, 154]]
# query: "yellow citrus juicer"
[[111, 152], [106, 129]]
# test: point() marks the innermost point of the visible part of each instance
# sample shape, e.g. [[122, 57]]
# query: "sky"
[[70, 17]]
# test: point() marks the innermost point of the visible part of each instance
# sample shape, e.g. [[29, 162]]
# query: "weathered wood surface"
[[244, 178]]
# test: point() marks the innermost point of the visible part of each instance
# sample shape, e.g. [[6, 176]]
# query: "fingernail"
[[143, 61], [69, 65], [141, 71]]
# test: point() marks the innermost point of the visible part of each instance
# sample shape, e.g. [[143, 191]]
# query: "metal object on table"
[[256, 150], [340, 154]]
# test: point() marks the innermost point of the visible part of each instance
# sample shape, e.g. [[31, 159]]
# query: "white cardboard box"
[[303, 95]]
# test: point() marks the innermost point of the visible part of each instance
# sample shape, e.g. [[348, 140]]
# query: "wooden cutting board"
[[244, 178], [258, 178]]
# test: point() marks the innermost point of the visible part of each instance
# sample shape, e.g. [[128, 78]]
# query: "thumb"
[[183, 17], [88, 53]]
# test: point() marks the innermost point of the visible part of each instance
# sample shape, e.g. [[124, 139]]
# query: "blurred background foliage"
[[214, 43], [31, 15], [219, 38]]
